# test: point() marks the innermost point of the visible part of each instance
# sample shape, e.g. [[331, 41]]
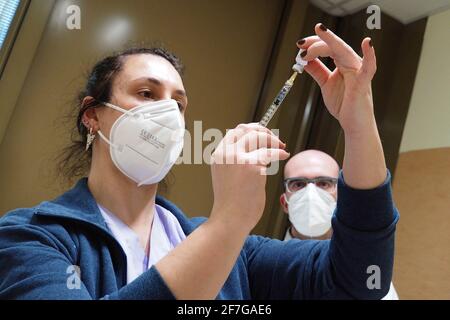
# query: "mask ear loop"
[[110, 105], [117, 108], [286, 198], [107, 141]]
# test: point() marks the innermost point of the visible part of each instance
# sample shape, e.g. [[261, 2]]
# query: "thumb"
[[369, 61]]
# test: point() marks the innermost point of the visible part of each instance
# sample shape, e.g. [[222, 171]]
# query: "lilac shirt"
[[165, 235]]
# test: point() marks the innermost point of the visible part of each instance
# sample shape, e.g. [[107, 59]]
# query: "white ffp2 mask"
[[146, 140], [310, 210]]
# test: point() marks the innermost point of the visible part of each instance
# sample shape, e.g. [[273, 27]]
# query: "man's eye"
[[324, 184], [298, 184]]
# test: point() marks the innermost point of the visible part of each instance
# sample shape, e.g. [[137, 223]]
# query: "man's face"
[[311, 164], [304, 167]]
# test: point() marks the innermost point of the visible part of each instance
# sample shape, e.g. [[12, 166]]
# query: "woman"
[[112, 237]]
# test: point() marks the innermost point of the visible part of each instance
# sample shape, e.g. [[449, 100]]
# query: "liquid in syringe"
[[278, 100], [298, 68]]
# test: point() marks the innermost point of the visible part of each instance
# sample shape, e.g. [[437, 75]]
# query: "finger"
[[318, 71], [228, 147], [306, 42], [233, 135], [265, 156], [317, 49], [369, 62], [257, 126], [342, 52], [256, 139]]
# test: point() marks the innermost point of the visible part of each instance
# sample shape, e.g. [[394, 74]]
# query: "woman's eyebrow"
[[181, 93], [159, 83]]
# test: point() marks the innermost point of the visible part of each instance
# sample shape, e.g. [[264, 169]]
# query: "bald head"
[[311, 164]]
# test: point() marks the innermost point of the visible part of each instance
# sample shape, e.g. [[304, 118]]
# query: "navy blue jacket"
[[40, 246]]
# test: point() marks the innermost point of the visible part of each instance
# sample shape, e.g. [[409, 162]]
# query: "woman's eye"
[[180, 106], [146, 94]]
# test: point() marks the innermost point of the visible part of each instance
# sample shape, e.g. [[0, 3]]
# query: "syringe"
[[298, 68], [278, 100]]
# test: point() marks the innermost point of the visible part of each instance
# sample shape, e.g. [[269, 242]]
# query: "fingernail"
[[304, 53], [300, 42], [322, 27], [370, 43]]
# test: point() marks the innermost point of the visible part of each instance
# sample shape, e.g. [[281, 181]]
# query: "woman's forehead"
[[144, 66]]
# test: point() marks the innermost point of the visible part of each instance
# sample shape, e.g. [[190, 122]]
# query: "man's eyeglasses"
[[296, 184]]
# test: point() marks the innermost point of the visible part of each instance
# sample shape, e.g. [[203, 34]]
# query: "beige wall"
[[224, 44], [422, 181], [428, 122], [422, 256]]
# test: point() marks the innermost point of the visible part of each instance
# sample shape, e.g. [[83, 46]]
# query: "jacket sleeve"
[[355, 264], [35, 265]]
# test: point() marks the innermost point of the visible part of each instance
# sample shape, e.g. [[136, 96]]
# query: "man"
[[310, 179]]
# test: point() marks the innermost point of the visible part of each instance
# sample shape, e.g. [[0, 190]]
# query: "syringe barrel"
[[275, 104]]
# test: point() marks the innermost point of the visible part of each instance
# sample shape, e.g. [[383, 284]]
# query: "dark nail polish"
[[300, 42], [303, 54], [322, 27], [370, 43]]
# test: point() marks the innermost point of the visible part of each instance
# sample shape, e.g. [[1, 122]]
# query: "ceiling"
[[405, 11]]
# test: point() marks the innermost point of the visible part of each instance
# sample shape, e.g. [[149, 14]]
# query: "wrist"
[[237, 225], [364, 164], [362, 128], [362, 118]]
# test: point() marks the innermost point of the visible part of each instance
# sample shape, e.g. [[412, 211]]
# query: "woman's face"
[[143, 78]]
